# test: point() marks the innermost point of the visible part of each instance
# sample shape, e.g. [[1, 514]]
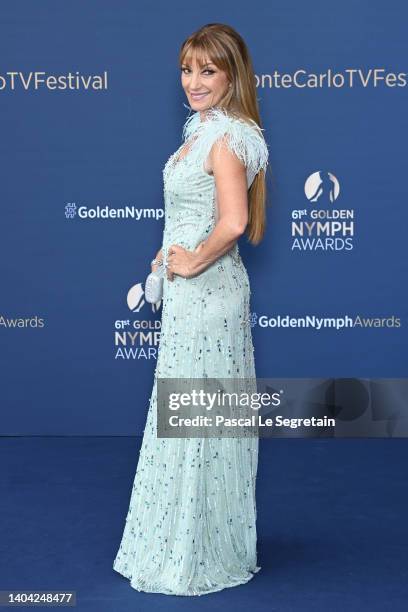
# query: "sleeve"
[[245, 140]]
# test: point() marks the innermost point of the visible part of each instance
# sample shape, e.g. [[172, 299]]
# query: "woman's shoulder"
[[218, 119], [242, 136], [222, 116]]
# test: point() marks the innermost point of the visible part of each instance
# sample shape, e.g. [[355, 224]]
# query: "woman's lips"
[[198, 96]]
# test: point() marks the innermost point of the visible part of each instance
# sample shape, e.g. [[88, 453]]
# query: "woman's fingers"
[[199, 247], [169, 273]]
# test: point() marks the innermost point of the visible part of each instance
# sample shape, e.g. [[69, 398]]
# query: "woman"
[[191, 524]]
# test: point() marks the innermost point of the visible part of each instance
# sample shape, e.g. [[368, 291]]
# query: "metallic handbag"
[[154, 285]]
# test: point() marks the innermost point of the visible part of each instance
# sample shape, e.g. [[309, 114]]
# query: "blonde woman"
[[191, 524]]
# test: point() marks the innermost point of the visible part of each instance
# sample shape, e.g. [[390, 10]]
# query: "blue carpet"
[[332, 531]]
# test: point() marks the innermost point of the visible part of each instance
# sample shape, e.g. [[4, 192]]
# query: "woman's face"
[[204, 87]]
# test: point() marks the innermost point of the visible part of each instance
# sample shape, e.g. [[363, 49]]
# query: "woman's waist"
[[188, 238], [230, 261]]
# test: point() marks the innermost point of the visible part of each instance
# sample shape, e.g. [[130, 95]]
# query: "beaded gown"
[[191, 524]]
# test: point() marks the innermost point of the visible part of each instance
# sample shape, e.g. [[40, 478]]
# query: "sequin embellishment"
[[191, 523]]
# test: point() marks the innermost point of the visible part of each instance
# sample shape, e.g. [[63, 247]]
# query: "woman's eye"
[[208, 71]]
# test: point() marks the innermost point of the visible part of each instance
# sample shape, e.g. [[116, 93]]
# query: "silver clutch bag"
[[154, 285]]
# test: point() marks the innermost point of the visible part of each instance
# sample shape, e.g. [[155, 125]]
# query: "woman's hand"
[[182, 262], [158, 256]]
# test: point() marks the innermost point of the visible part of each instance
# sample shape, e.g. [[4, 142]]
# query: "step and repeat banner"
[[91, 109]]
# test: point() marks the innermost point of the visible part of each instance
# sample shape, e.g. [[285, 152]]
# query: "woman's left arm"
[[232, 199]]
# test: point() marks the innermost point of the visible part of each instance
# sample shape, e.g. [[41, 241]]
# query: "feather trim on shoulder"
[[190, 126], [243, 138]]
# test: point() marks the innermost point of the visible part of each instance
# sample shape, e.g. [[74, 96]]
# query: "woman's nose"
[[195, 81]]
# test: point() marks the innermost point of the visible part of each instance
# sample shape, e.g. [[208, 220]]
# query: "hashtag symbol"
[[253, 318], [70, 210]]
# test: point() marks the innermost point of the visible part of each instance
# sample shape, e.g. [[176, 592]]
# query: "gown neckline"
[[194, 124]]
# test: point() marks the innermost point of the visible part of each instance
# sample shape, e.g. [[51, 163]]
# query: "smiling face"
[[205, 85]]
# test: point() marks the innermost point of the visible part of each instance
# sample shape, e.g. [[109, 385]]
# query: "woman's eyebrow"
[[207, 64]]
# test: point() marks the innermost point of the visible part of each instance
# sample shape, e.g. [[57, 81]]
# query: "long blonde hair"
[[223, 46]]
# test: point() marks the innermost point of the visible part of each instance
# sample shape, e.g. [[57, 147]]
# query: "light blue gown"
[[191, 524]]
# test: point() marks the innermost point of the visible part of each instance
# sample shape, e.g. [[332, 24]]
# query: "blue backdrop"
[[92, 107]]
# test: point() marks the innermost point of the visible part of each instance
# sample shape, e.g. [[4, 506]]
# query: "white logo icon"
[[322, 187]]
